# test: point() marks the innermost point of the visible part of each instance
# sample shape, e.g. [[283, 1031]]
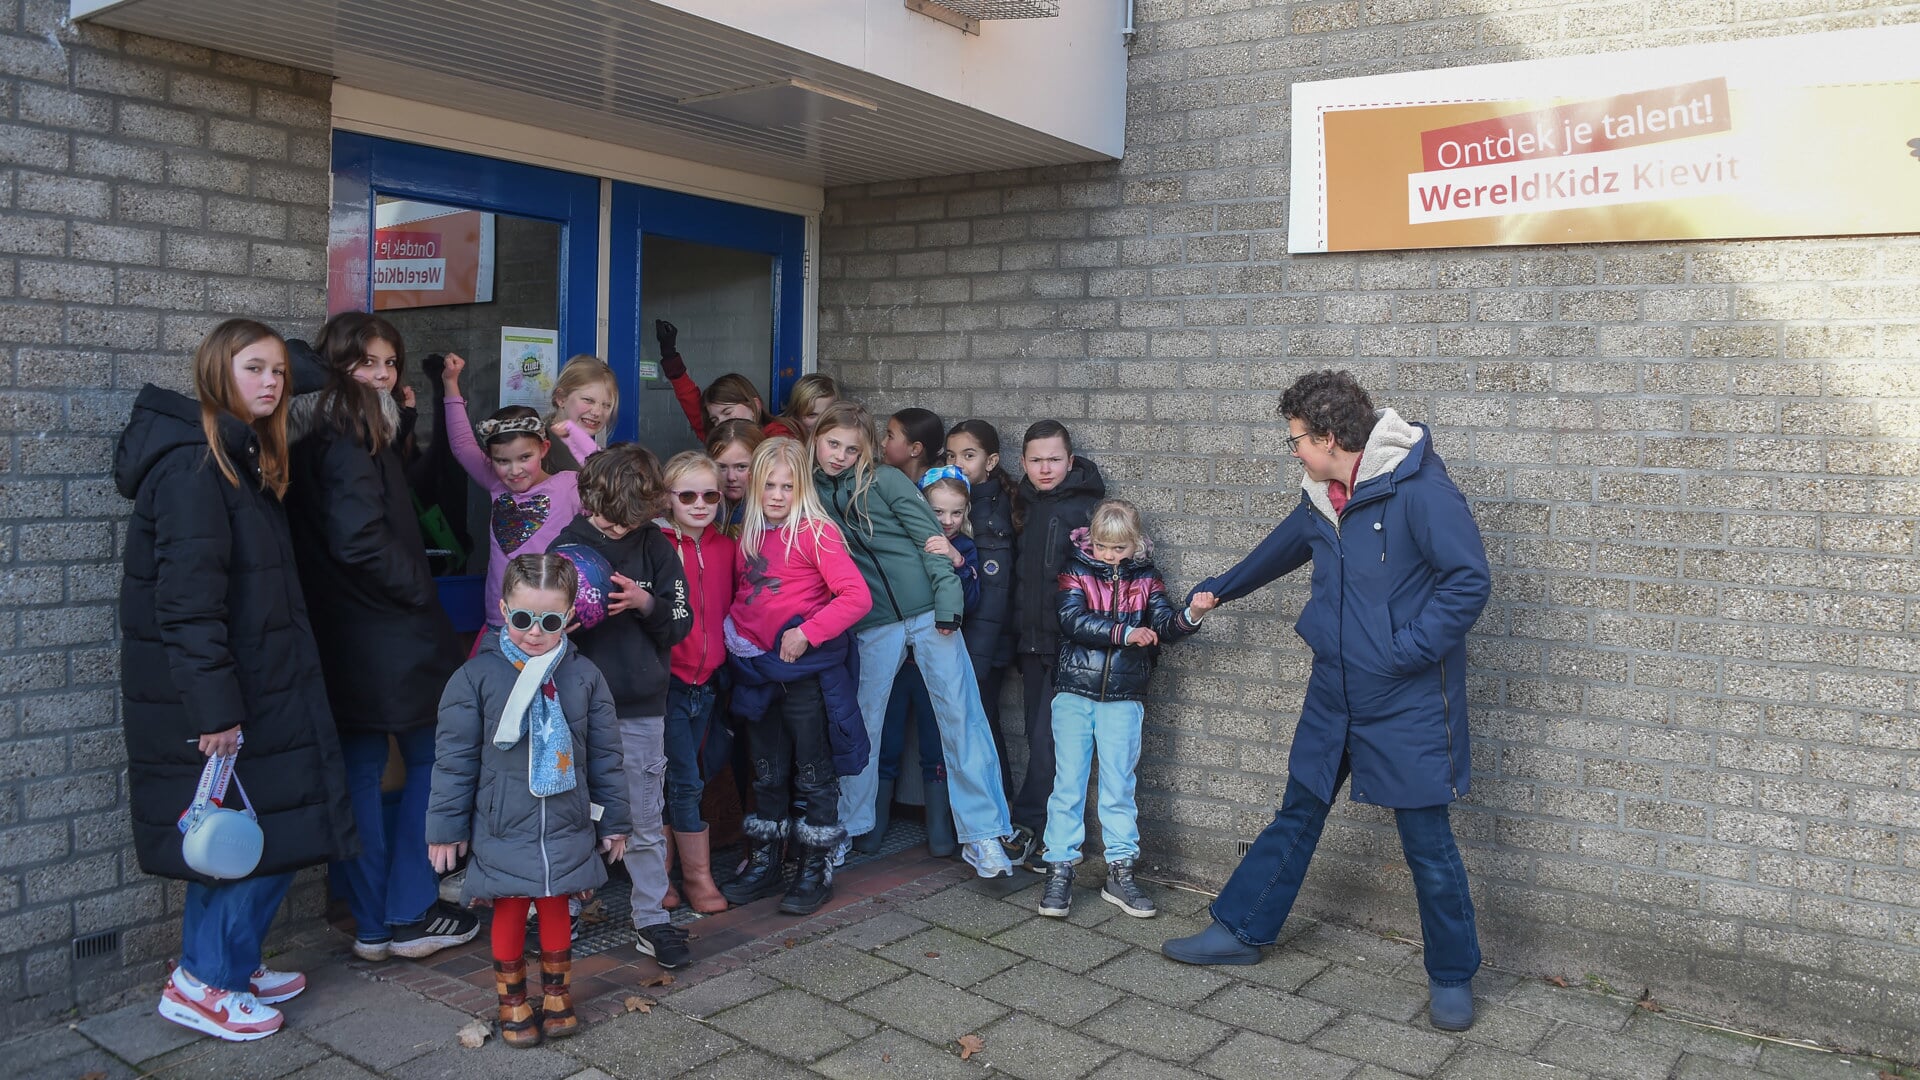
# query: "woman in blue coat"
[[1399, 577]]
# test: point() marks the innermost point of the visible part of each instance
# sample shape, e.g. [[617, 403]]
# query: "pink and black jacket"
[[1099, 606]]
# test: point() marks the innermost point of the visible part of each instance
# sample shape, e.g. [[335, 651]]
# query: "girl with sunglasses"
[[527, 749]]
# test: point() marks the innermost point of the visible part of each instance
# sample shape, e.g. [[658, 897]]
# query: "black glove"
[[669, 336]]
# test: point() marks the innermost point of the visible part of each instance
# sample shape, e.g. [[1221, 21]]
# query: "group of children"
[[825, 579]]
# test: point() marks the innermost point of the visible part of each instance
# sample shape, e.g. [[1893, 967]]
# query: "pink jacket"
[[814, 580], [709, 564]]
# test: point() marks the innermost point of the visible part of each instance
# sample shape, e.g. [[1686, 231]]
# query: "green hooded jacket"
[[887, 536]]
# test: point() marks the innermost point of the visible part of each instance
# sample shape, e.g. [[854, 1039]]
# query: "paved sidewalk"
[[885, 986]]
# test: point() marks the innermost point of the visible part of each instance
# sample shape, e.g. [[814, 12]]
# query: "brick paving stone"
[[1508, 1029], [1402, 1047], [1004, 888], [882, 929], [889, 1055], [334, 990], [1697, 1067], [335, 1068], [402, 1028], [720, 993], [491, 1060], [1154, 976], [1138, 1067], [1607, 1054], [1249, 1056], [1172, 901], [834, 972], [1572, 1005], [966, 912], [1155, 1030], [1146, 933], [1036, 1050], [1361, 992], [661, 1045], [1045, 991], [929, 1008], [263, 1059], [1375, 1072], [959, 960], [86, 1062], [747, 1064], [136, 1033], [1282, 969], [1270, 1012], [1355, 948], [794, 1025], [1705, 1042], [1813, 1065], [1485, 1063], [1065, 946], [44, 1047], [595, 1074]]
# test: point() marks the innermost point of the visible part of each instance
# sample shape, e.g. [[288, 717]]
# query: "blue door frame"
[[640, 212], [365, 167]]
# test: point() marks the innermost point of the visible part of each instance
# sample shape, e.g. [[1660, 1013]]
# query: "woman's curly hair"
[[1331, 403]]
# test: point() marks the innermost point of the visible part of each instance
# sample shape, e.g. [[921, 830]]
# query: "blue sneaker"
[[1214, 945], [1450, 1007]]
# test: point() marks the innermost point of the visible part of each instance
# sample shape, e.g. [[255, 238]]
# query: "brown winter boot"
[[696, 873], [556, 1001], [672, 899], [519, 1023]]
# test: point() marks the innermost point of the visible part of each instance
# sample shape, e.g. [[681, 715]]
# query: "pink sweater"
[[815, 580], [523, 524]]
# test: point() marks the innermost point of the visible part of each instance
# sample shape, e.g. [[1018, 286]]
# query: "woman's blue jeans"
[[689, 708], [1258, 897], [910, 703], [223, 926], [391, 883], [973, 768]]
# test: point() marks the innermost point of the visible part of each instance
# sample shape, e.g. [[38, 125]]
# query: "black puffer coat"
[[989, 628], [1044, 549], [631, 649], [386, 647], [1099, 606], [214, 633]]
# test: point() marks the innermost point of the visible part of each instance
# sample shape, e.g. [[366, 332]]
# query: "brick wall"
[[1697, 755], [147, 190]]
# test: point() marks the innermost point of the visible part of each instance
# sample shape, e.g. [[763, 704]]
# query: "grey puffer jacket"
[[524, 845]]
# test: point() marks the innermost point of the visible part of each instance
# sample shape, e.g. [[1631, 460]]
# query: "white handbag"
[[220, 843]]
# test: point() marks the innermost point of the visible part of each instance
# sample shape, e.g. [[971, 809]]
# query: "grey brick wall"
[[147, 190], [1697, 466]]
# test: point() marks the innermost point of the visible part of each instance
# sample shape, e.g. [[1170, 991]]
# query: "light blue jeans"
[[973, 767], [1080, 727]]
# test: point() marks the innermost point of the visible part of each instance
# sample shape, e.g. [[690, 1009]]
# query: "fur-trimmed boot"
[[696, 873], [557, 1020], [813, 886], [761, 878], [519, 1020], [672, 899]]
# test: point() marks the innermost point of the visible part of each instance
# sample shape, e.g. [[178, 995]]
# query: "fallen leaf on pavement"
[[933, 956], [884, 1058], [639, 1004], [657, 980], [789, 944], [970, 1045], [474, 1034], [1556, 980], [1646, 1002]]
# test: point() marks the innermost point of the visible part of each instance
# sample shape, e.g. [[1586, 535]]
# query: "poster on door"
[[529, 366], [1815, 135], [428, 255]]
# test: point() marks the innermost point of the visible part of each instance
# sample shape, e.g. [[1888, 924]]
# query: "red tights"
[[510, 925]]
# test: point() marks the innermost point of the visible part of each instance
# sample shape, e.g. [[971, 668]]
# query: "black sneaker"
[[443, 928], [1121, 891], [1059, 894], [666, 943], [1020, 845]]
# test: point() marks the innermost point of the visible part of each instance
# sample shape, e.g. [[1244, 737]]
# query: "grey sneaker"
[[1059, 894], [1121, 891]]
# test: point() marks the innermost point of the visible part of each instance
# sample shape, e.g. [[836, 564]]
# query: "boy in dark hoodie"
[[1058, 492], [621, 489]]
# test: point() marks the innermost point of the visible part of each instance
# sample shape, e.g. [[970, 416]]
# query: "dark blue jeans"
[[392, 882], [223, 926], [910, 702], [689, 708], [1256, 901]]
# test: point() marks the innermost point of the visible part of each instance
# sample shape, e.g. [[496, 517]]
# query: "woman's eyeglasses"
[[688, 498], [551, 622]]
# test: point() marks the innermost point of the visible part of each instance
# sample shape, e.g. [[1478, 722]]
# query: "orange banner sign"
[[425, 255], [1803, 136]]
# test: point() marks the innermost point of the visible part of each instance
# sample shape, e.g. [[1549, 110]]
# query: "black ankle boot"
[[761, 878], [813, 886]]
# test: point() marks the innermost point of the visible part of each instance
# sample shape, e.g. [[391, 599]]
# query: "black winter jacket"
[[1044, 549], [1099, 606], [386, 646], [989, 628], [632, 649], [214, 633]]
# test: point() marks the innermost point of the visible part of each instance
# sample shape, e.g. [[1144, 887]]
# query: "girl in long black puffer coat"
[[215, 645], [386, 647]]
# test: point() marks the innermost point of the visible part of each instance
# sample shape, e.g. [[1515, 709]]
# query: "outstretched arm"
[[1285, 550]]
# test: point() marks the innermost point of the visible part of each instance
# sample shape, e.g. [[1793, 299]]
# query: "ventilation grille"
[[1242, 847], [1002, 9], [101, 946]]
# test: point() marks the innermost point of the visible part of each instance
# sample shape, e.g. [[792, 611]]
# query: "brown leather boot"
[[696, 873], [556, 996], [672, 899], [519, 1022]]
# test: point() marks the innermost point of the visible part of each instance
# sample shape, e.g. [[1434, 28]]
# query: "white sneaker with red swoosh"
[[233, 1015], [273, 987]]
